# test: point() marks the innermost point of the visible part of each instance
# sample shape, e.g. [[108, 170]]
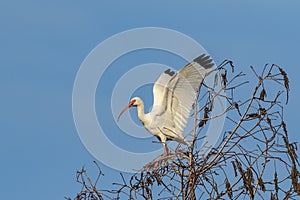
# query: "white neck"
[[141, 112]]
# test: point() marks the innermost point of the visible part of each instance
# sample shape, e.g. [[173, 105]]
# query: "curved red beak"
[[125, 108]]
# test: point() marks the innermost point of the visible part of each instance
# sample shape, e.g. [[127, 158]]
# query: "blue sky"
[[43, 44]]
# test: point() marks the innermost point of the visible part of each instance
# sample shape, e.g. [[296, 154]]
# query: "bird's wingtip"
[[205, 61]]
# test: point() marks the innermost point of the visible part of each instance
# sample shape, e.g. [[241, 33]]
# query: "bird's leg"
[[165, 154], [166, 151]]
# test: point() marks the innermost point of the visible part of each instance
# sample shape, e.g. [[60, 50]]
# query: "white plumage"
[[174, 95]]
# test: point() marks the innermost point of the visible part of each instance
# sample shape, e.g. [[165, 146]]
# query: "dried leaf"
[[232, 66], [273, 197], [234, 167], [276, 182], [262, 94], [269, 121], [236, 105], [206, 111], [294, 177], [224, 79], [253, 115], [286, 83], [205, 117], [261, 184], [239, 166], [250, 175], [228, 188], [262, 111], [201, 123]]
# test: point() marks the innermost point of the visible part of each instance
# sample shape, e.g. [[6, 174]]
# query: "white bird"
[[174, 95]]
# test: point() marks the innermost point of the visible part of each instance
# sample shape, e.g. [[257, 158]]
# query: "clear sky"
[[43, 43]]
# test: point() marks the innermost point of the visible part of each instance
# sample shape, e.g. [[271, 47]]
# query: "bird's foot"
[[159, 162]]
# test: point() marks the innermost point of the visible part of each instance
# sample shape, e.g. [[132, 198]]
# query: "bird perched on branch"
[[174, 95]]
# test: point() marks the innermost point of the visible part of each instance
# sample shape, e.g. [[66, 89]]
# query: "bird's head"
[[135, 101]]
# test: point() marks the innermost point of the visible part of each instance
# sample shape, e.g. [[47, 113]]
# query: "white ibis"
[[174, 95]]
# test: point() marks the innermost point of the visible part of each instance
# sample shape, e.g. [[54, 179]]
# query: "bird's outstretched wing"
[[175, 93]]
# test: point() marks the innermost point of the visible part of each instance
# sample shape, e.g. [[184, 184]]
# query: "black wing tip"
[[204, 60], [169, 72]]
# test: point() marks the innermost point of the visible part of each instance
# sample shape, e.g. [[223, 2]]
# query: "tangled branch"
[[253, 160]]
